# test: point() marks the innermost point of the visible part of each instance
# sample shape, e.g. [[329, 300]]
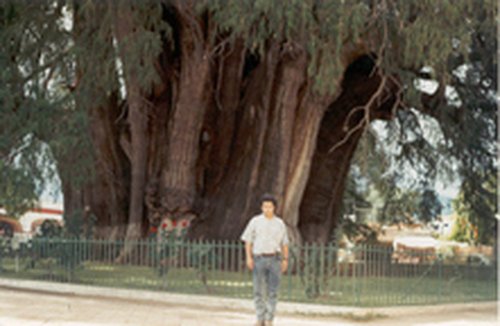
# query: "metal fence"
[[325, 274]]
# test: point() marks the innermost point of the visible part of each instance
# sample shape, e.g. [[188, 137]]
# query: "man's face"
[[268, 208]]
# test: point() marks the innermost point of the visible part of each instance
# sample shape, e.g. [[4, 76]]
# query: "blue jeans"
[[266, 281]]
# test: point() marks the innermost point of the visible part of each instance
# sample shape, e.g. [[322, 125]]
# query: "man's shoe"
[[260, 323], [268, 323]]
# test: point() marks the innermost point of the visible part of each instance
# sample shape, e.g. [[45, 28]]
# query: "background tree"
[[462, 230], [449, 137], [476, 206]]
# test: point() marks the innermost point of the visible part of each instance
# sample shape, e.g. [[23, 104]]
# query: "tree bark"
[[220, 121], [227, 205], [305, 131], [185, 125], [138, 123], [366, 95], [110, 193]]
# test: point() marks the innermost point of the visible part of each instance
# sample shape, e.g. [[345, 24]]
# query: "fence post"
[[17, 261], [329, 267], [306, 266], [355, 275], [289, 273], [440, 273]]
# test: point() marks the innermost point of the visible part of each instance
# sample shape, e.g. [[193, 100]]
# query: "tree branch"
[[366, 119]]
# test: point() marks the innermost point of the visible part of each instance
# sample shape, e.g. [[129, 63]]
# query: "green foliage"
[[462, 230], [375, 184], [448, 135], [79, 224], [97, 52], [5, 247], [358, 231], [402, 33], [17, 193], [429, 206], [76, 226], [33, 105], [476, 204], [399, 206], [50, 229]]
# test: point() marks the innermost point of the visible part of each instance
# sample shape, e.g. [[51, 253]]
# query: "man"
[[266, 248]]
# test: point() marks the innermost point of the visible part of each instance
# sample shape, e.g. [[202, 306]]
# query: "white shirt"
[[267, 235]]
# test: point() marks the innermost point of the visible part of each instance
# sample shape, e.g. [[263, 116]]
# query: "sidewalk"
[[67, 304]]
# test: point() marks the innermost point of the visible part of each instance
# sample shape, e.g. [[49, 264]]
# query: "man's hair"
[[268, 197]]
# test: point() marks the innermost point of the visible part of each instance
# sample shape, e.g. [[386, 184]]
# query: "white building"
[[42, 211]]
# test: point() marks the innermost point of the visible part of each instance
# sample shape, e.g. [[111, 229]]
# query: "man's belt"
[[274, 254]]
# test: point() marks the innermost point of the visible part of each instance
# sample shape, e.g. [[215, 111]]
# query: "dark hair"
[[268, 197]]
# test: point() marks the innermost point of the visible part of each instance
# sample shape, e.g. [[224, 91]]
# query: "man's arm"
[[248, 252], [284, 250], [284, 257], [248, 237]]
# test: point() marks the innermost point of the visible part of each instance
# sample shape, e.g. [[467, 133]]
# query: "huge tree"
[[194, 109]]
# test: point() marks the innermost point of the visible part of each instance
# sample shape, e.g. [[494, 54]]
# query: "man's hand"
[[284, 265], [250, 264]]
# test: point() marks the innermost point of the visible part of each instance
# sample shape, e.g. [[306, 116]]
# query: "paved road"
[[36, 308]]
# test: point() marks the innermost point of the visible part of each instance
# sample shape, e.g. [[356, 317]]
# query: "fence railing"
[[326, 274]]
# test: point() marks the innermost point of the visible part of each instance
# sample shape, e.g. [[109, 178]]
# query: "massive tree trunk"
[[225, 125], [289, 148]]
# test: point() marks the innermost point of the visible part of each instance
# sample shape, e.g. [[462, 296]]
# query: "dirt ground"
[[38, 308]]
